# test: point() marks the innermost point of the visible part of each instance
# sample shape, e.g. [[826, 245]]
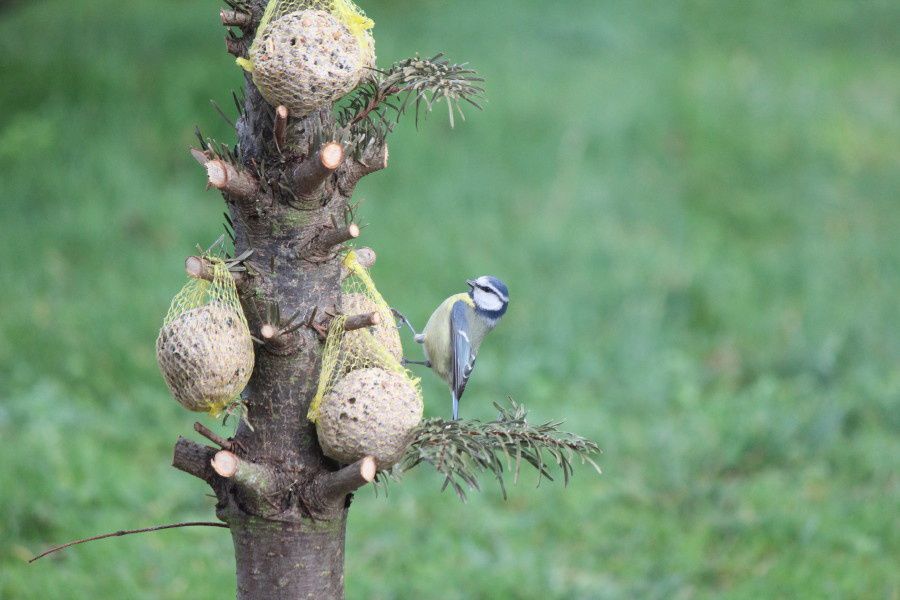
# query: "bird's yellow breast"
[[437, 335]]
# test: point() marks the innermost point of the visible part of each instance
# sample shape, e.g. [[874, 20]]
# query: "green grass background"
[[694, 203]]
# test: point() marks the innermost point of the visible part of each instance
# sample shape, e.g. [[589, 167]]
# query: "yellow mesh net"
[[219, 290], [347, 12], [204, 348], [376, 347]]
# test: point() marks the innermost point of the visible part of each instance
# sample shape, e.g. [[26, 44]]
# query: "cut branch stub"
[[334, 486], [234, 18], [362, 321], [256, 480], [374, 159], [194, 459], [268, 332], [225, 463], [199, 267], [280, 341], [235, 46], [229, 179], [226, 177], [334, 236], [281, 119], [311, 173], [259, 484], [366, 258], [351, 323], [331, 155]]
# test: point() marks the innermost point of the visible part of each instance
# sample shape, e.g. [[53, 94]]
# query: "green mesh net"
[[204, 349], [307, 53]]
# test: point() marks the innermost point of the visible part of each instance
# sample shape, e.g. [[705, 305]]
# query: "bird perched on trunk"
[[457, 327]]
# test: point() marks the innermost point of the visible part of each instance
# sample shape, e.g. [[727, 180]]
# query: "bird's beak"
[[470, 283]]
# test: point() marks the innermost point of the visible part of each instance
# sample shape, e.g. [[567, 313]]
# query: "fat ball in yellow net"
[[367, 402], [204, 349], [308, 53]]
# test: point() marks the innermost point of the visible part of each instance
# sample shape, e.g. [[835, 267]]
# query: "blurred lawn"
[[695, 205]]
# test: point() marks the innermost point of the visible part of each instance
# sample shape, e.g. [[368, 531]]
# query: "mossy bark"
[[280, 549]]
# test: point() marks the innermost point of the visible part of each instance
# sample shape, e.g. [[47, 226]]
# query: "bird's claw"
[[399, 319], [399, 316]]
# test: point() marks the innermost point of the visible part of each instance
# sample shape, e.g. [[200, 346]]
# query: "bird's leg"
[[403, 320], [424, 363]]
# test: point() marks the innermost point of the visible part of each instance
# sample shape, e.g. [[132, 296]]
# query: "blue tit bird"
[[457, 327]]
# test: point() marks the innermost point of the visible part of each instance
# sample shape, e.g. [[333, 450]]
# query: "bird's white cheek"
[[487, 301]]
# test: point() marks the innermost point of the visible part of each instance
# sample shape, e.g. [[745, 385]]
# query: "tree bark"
[[289, 560], [284, 501]]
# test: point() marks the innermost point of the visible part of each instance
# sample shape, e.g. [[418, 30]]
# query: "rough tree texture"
[[288, 520]]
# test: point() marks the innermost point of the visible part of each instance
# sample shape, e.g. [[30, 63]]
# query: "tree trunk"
[[285, 503], [289, 560]]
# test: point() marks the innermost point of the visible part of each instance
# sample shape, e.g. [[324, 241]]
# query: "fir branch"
[[461, 450], [415, 83]]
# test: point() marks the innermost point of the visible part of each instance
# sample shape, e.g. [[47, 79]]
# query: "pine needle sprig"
[[461, 450], [216, 150], [412, 84]]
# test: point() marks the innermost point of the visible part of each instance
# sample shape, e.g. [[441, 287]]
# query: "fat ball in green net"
[[308, 53], [367, 402], [204, 349]]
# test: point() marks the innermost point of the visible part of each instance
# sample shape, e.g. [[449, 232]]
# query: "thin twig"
[[214, 437], [127, 532]]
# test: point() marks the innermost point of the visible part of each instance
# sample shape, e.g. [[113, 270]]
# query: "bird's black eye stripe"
[[491, 290]]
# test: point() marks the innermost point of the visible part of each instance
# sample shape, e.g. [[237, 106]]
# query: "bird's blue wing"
[[463, 356]]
